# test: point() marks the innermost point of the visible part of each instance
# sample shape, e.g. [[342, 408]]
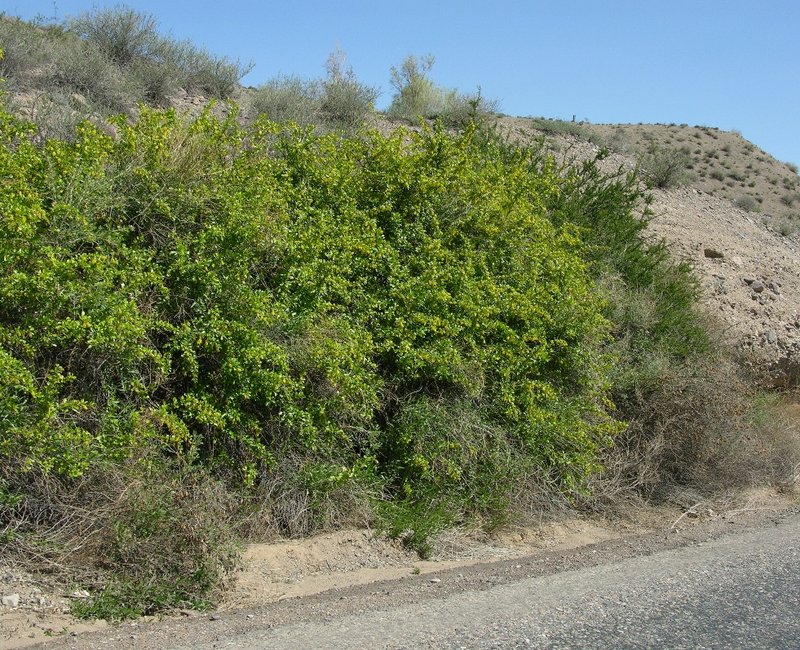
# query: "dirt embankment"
[[748, 274]]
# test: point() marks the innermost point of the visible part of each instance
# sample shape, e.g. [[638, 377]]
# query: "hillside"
[[235, 315], [746, 258]]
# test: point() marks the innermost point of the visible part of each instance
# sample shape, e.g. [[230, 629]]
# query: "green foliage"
[[416, 96], [240, 297], [84, 69], [665, 167], [651, 300]]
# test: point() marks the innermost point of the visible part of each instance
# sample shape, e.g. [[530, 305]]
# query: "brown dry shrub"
[[705, 426], [285, 502], [160, 528]]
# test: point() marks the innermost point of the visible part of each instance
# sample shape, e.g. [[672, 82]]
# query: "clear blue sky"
[[733, 64]]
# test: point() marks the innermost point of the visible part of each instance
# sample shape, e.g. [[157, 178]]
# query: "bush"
[[344, 102], [151, 535], [416, 96], [123, 35], [87, 71], [338, 101], [291, 297], [203, 72], [25, 49], [664, 167], [131, 41], [746, 203], [288, 99]]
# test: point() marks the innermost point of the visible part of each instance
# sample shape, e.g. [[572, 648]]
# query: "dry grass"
[[705, 430], [164, 533]]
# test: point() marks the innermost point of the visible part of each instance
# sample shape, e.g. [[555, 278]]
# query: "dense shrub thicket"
[[420, 323], [239, 295]]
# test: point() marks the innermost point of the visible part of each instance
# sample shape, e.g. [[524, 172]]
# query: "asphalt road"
[[740, 591], [713, 590]]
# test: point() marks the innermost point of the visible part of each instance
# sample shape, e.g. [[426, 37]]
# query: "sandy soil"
[[331, 562]]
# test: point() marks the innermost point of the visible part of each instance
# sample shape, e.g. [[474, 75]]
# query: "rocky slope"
[[747, 262], [749, 275]]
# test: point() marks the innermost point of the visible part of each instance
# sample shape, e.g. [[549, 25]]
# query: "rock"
[[737, 261], [757, 286], [713, 254], [11, 600], [775, 288], [435, 581], [748, 279], [772, 337], [80, 594]]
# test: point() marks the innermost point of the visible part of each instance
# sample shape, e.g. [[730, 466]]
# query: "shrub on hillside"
[[345, 102], [123, 35], [288, 99], [84, 69], [339, 100], [665, 167], [746, 203], [131, 41], [25, 49], [416, 96]]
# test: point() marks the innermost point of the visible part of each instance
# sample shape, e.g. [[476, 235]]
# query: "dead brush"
[[141, 535], [283, 504], [705, 428]]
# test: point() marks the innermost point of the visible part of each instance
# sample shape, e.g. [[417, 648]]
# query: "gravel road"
[[720, 585]]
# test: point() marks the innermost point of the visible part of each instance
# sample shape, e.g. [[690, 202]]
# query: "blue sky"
[[732, 64]]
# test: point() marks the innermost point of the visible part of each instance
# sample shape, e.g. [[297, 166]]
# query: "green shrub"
[[415, 319], [288, 99], [416, 96], [203, 72], [664, 167], [249, 296], [344, 101]]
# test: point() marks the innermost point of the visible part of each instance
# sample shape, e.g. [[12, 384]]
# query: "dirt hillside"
[[747, 259]]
